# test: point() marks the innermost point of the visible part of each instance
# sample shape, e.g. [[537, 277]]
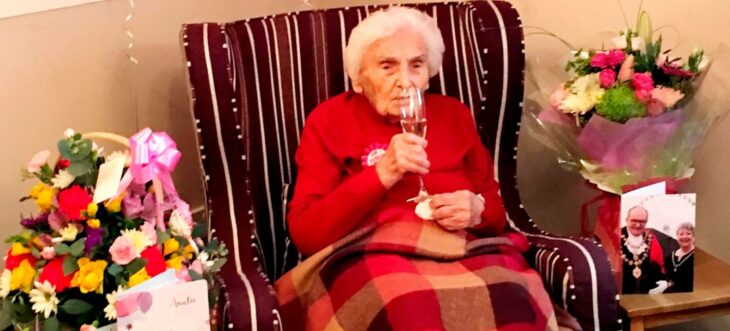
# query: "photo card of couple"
[[657, 242]]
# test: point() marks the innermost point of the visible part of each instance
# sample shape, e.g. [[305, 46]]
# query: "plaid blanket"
[[413, 275]]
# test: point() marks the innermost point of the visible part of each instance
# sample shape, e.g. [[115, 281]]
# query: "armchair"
[[252, 84]]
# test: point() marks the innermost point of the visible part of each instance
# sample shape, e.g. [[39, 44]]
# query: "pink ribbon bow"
[[154, 157], [154, 154]]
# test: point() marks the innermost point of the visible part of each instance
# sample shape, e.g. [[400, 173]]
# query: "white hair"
[[384, 23]]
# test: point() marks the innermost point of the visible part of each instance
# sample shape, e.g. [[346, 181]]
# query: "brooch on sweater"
[[372, 154]]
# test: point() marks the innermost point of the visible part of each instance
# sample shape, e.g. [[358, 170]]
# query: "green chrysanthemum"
[[619, 105]]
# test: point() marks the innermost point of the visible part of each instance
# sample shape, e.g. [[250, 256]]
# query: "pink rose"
[[183, 275], [642, 81], [148, 228], [668, 96], [558, 96], [643, 96], [123, 251], [87, 327], [627, 69], [48, 253], [57, 221], [607, 78], [609, 59], [38, 160], [197, 266], [615, 57], [656, 108], [599, 60]]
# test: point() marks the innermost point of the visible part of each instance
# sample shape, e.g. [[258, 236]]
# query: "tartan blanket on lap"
[[413, 275]]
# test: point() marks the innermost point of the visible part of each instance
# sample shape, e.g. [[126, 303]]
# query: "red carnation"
[[53, 273], [155, 262], [13, 261], [72, 201], [671, 70], [63, 164]]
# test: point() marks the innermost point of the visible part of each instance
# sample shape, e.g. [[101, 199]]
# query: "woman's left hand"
[[457, 210]]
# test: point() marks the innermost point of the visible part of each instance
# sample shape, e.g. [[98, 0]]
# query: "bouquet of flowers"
[[627, 113], [98, 233]]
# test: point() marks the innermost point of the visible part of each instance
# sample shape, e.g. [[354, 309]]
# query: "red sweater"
[[336, 193]]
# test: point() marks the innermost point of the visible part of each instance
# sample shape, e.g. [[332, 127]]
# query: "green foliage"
[[51, 324], [693, 63], [77, 249], [62, 249], [581, 65], [70, 264], [646, 61], [619, 105], [75, 307], [136, 265]]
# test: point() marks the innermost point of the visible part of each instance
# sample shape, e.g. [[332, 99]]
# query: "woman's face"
[[686, 238], [388, 66]]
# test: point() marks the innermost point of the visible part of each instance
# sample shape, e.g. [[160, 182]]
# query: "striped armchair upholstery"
[[254, 81]]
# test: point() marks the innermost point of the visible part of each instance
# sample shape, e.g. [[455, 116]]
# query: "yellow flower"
[[92, 209], [171, 246], [36, 190], [93, 223], [70, 232], [188, 252], [139, 240], [22, 277], [44, 201], [174, 262], [138, 277], [18, 249], [114, 206], [90, 276]]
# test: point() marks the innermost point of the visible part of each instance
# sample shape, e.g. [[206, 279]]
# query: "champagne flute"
[[413, 120]]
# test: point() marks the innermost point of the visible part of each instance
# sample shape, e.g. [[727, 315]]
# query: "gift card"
[[182, 306], [657, 243]]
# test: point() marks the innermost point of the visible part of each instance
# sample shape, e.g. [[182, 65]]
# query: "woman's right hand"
[[406, 153]]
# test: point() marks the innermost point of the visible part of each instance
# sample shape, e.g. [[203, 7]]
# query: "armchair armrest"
[[578, 277]]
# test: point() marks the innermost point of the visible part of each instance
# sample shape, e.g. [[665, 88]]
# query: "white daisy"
[[5, 283], [63, 179], [44, 299], [69, 133], [179, 226], [110, 311]]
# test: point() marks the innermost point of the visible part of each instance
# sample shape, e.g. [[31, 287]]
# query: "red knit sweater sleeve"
[[327, 205], [478, 167]]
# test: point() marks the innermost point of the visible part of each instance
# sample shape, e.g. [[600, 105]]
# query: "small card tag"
[[107, 183]]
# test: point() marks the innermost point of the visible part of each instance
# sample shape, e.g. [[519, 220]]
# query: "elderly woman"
[[373, 264], [680, 263]]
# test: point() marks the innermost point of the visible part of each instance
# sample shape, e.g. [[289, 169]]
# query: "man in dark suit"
[[643, 258]]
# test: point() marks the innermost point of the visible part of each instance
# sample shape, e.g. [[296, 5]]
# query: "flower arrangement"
[[626, 115], [634, 79], [71, 260]]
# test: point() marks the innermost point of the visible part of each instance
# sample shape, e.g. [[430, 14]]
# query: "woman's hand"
[[457, 210], [406, 153]]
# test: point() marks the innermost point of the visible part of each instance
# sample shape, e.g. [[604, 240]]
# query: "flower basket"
[[105, 223]]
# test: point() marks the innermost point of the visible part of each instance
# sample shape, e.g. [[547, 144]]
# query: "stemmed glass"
[[413, 120]]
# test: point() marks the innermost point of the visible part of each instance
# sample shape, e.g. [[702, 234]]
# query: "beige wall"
[[69, 68]]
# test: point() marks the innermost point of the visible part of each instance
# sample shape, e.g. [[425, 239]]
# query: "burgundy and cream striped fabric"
[[253, 82]]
